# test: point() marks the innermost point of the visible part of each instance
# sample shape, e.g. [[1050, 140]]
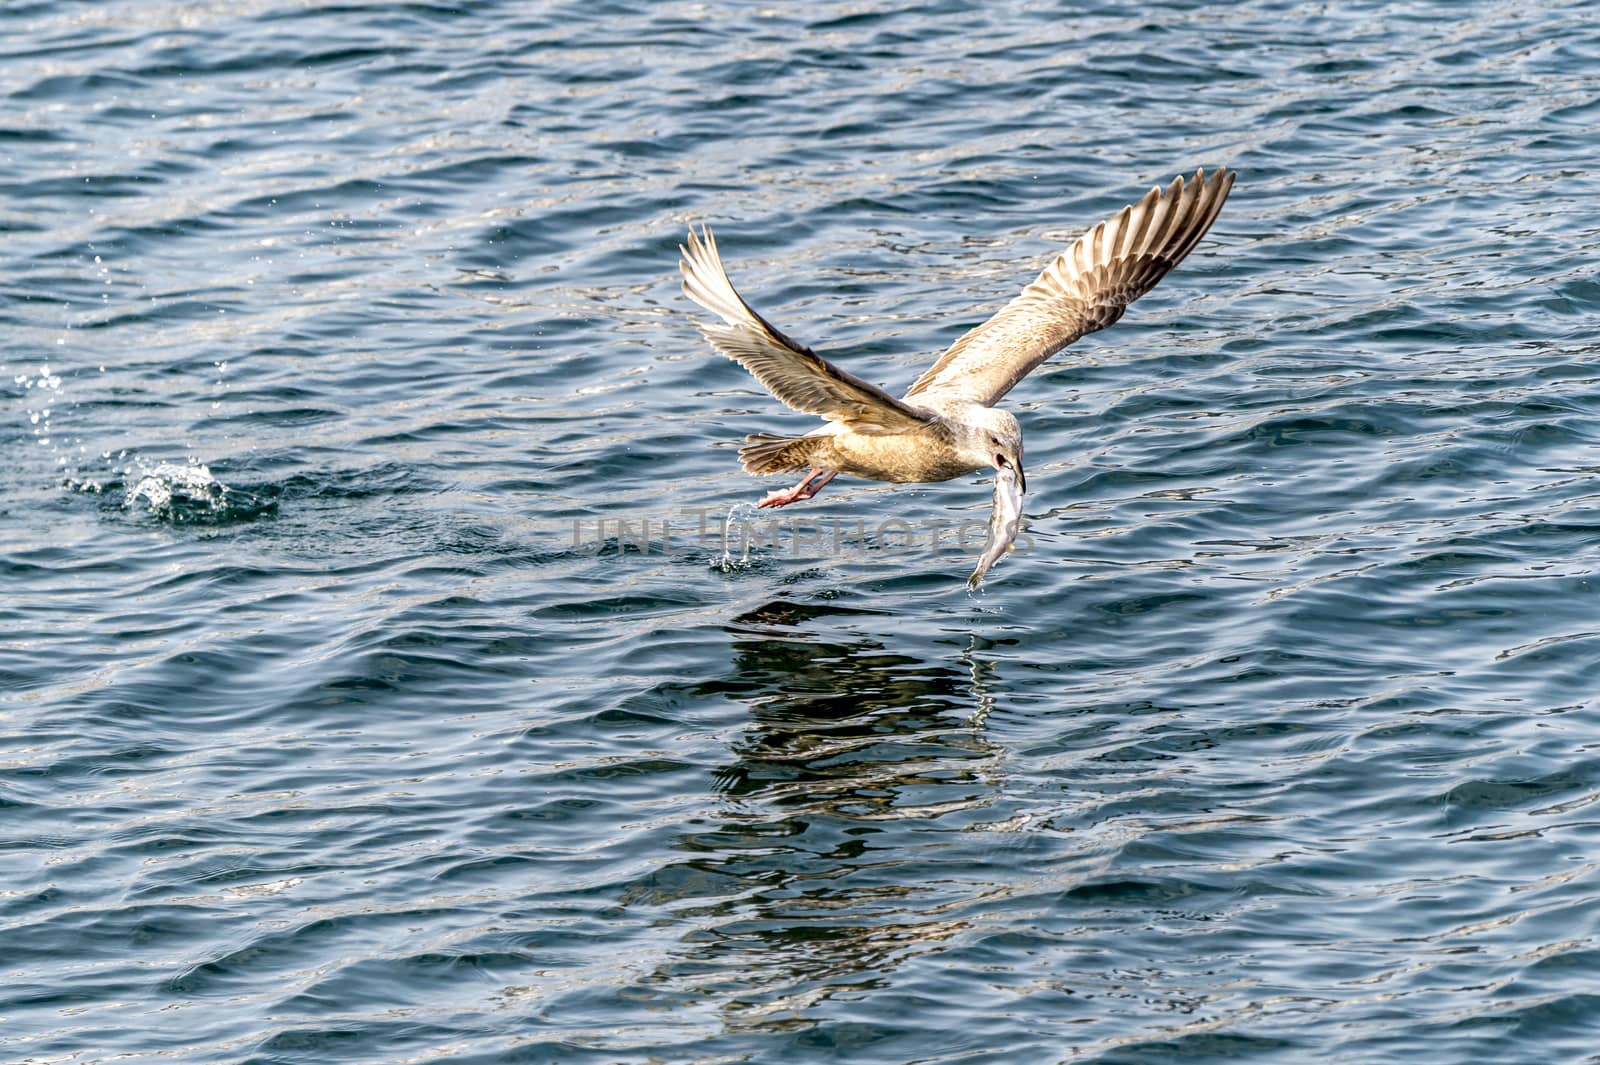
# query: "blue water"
[[374, 683]]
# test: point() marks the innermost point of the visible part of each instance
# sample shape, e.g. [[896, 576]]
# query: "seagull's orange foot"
[[809, 485]]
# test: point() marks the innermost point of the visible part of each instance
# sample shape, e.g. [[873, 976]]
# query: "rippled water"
[[336, 726]]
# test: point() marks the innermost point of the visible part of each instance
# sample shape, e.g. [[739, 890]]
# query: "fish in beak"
[[1004, 520]]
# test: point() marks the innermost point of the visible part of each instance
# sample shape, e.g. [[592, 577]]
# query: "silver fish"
[[1003, 522]]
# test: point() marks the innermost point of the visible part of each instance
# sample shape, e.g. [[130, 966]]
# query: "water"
[[1274, 740]]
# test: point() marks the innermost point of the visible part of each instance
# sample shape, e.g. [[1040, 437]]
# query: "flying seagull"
[[947, 423]]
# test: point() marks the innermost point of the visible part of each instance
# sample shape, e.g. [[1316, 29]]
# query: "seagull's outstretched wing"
[[1086, 288], [795, 374]]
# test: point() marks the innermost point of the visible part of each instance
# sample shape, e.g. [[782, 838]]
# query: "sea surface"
[[393, 668]]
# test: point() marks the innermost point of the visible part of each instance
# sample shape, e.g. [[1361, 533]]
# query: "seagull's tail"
[[765, 453]]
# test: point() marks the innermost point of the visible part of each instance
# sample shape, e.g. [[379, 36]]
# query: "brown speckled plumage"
[[946, 424]]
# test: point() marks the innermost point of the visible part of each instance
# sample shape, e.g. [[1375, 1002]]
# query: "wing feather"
[[792, 372], [1086, 288]]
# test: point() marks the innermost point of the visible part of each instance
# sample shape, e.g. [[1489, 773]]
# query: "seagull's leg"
[[809, 486], [817, 485]]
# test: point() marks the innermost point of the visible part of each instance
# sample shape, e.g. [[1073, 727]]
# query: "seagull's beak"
[[1002, 461], [1014, 462]]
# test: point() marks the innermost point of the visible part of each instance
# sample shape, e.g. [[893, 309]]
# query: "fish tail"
[[766, 453]]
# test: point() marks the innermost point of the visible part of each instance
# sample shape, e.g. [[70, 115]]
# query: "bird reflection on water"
[[855, 761], [844, 724]]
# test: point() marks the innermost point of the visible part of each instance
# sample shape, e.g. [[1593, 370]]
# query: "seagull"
[[947, 424]]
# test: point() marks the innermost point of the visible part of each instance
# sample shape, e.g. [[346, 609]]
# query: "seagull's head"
[[1000, 437]]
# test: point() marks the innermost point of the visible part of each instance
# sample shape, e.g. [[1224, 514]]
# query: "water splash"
[[43, 395], [219, 387], [175, 492], [44, 401], [739, 516]]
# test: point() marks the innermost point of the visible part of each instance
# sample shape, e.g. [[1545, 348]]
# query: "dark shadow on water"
[[841, 723], [841, 843]]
